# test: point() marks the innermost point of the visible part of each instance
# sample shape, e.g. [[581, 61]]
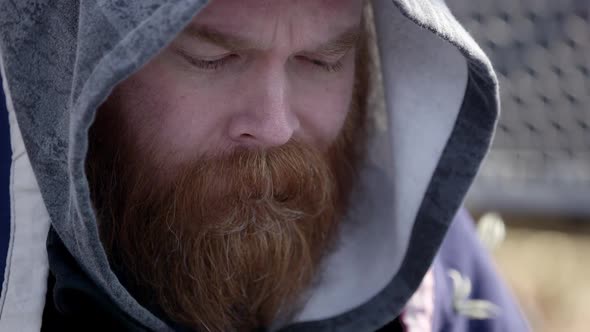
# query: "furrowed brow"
[[334, 47], [219, 38]]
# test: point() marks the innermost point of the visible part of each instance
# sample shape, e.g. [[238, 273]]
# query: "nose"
[[265, 118]]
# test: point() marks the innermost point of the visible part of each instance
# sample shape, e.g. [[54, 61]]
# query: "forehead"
[[331, 16]]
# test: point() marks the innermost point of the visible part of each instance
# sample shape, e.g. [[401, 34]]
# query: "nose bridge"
[[265, 119], [272, 86]]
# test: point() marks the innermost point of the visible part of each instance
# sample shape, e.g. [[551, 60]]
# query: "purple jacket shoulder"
[[463, 291]]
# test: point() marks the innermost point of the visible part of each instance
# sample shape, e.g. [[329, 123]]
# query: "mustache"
[[281, 174], [228, 193]]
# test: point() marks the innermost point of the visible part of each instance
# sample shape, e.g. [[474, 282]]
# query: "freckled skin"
[[264, 98]]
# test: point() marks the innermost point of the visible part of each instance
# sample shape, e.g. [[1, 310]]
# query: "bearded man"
[[248, 165]]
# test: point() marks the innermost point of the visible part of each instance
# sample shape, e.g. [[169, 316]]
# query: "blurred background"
[[532, 196]]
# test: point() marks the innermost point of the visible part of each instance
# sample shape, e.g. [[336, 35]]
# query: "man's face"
[[219, 170], [247, 74]]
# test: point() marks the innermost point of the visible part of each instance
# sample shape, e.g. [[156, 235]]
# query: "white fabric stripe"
[[25, 283], [419, 312], [11, 237]]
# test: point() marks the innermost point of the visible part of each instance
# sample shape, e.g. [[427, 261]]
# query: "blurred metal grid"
[[540, 158]]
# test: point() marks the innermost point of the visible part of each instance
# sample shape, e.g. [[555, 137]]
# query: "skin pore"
[[220, 169]]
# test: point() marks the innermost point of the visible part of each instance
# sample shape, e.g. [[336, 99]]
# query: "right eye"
[[208, 63]]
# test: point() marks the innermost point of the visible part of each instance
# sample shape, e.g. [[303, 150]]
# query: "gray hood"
[[61, 60]]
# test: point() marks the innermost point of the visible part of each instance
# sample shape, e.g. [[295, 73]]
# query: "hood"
[[61, 60]]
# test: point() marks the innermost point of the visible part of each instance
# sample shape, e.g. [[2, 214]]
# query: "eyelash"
[[209, 64], [219, 63], [329, 67]]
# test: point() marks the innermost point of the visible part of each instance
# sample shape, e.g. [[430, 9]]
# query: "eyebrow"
[[336, 46], [339, 45]]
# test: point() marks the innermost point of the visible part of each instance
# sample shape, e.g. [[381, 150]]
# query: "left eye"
[[327, 66]]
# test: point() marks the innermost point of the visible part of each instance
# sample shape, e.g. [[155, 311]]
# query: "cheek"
[[168, 115], [323, 111]]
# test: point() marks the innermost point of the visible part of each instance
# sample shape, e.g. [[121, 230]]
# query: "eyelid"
[[207, 63], [188, 54], [331, 58], [325, 65]]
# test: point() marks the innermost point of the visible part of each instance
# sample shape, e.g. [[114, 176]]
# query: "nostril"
[[245, 137]]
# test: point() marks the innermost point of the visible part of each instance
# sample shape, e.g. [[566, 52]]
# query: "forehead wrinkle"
[[217, 37], [234, 41]]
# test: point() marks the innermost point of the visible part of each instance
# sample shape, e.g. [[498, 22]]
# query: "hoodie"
[[61, 59]]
